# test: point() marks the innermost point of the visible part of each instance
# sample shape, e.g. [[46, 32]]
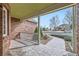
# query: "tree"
[[54, 22], [68, 18], [44, 28]]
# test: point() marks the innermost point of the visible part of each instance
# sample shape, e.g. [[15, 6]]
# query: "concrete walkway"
[[55, 47], [56, 43]]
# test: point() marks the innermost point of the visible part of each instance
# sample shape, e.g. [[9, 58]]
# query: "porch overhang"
[[27, 10]]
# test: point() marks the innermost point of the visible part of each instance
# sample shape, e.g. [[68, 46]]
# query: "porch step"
[[26, 42], [16, 44]]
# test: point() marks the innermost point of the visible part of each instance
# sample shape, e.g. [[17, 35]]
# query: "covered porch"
[[25, 41]]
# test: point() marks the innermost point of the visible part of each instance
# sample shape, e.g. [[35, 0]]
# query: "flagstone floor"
[[55, 47]]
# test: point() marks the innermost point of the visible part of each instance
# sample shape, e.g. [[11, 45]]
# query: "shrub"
[[45, 37], [36, 31]]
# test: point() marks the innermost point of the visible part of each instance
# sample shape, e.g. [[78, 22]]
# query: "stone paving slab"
[[55, 47], [15, 44], [39, 50], [27, 42]]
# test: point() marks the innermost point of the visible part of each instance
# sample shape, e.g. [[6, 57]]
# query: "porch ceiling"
[[25, 10]]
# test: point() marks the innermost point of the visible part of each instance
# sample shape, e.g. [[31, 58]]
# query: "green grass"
[[65, 37]]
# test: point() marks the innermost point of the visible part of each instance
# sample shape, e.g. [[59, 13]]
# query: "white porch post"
[[39, 29], [74, 41]]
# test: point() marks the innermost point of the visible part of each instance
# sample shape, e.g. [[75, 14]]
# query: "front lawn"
[[65, 37]]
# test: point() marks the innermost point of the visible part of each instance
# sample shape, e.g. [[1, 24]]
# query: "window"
[[4, 16]]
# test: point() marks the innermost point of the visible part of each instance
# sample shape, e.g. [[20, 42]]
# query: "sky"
[[45, 19]]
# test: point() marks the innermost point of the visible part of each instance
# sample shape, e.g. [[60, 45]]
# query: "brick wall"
[[78, 29], [14, 28], [4, 41], [14, 22], [25, 26], [17, 27], [1, 29]]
